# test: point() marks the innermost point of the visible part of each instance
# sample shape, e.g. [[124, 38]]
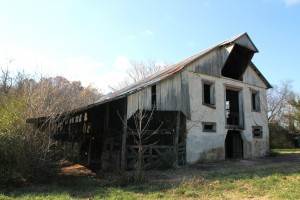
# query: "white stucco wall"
[[210, 146]]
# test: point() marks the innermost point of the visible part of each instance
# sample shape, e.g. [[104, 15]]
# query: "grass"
[[283, 151], [276, 181]]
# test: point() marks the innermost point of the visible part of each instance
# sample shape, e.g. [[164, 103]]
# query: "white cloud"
[[81, 68], [291, 2], [122, 63], [110, 78], [148, 33], [26, 59], [83, 63], [93, 72]]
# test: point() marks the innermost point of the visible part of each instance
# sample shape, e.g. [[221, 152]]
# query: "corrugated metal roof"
[[165, 73]]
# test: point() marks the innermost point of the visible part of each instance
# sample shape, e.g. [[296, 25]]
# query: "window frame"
[[260, 132], [213, 124], [255, 102], [212, 98]]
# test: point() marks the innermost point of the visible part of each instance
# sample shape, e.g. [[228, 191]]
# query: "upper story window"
[[255, 101], [208, 93]]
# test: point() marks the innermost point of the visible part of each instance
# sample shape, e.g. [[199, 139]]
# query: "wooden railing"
[[155, 156]]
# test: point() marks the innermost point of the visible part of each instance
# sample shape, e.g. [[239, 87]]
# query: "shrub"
[[25, 152], [280, 137]]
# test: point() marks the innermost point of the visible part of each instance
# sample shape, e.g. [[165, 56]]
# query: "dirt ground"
[[196, 170]]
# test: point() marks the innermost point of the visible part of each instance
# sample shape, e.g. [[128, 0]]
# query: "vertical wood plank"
[[176, 137], [106, 118], [124, 136], [90, 152]]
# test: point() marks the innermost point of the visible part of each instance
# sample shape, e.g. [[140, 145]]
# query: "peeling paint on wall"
[[210, 155]]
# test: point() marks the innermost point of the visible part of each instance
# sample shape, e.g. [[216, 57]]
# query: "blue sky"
[[93, 41]]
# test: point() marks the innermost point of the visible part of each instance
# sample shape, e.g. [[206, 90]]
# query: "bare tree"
[[54, 96], [141, 136], [279, 101], [45, 101], [6, 81], [124, 83], [141, 70], [138, 71]]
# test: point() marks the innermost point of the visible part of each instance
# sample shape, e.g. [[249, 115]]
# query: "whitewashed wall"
[[210, 146]]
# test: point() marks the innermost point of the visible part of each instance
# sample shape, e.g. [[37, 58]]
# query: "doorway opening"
[[233, 144], [234, 109]]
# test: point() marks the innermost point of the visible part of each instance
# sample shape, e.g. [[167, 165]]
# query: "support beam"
[[124, 136], [89, 152], [106, 118], [176, 138]]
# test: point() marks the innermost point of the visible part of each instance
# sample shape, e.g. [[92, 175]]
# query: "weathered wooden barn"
[[210, 106]]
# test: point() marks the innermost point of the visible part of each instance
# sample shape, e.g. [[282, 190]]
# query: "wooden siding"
[[246, 42], [251, 77], [139, 100], [185, 96], [172, 94], [211, 63], [169, 94]]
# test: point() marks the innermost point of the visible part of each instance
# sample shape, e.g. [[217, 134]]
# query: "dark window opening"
[[153, 96], [257, 132], [208, 126], [255, 101], [208, 94], [237, 62]]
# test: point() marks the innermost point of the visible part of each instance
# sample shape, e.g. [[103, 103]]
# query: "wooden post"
[[89, 152], [176, 138], [106, 118], [124, 137]]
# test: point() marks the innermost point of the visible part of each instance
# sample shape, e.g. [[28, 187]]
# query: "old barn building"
[[211, 106]]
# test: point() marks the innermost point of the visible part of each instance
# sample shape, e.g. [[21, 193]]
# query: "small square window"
[[209, 126], [255, 101], [257, 132], [208, 93]]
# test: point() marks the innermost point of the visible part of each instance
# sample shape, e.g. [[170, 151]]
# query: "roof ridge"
[[170, 70]]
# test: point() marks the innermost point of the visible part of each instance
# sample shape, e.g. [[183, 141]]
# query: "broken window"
[[209, 126], [255, 102], [257, 132], [208, 94], [153, 96]]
